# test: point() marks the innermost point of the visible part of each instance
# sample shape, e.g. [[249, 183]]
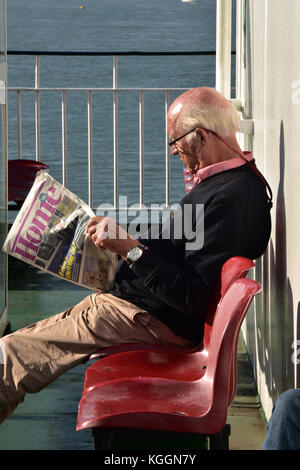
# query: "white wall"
[[3, 167], [269, 84]]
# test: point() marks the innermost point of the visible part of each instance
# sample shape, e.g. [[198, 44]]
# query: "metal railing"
[[115, 90]]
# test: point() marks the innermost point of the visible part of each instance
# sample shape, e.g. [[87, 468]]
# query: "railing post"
[[167, 149], [90, 147], [37, 108], [115, 117], [223, 47], [64, 137], [19, 125], [141, 139]]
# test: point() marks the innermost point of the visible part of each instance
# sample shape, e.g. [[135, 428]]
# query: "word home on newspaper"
[[49, 233]]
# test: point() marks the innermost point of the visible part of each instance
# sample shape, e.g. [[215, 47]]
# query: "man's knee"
[[288, 403]]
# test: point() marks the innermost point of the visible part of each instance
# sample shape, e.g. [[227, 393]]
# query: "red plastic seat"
[[21, 175], [173, 390]]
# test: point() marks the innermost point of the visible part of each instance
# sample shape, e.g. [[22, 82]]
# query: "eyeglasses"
[[181, 137]]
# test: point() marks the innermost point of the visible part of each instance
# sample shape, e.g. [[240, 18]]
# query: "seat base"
[[154, 440]]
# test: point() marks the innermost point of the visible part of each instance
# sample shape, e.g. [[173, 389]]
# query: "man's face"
[[188, 150]]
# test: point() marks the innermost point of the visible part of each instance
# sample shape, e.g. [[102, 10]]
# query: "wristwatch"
[[134, 254]]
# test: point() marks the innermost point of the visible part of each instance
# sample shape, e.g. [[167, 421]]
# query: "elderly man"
[[164, 284]]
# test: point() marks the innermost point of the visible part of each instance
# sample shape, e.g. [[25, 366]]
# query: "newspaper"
[[49, 233]]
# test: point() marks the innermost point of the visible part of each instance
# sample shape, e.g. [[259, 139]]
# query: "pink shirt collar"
[[221, 166]]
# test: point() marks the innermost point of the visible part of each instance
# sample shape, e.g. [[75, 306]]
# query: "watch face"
[[134, 254]]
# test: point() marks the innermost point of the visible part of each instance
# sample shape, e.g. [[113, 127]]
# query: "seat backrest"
[[234, 268], [222, 351]]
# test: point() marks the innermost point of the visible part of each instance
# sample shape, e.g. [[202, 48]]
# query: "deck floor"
[[47, 420]]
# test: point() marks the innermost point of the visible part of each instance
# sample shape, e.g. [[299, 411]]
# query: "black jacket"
[[175, 283]]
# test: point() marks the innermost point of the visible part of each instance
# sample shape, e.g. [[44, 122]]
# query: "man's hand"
[[108, 235]]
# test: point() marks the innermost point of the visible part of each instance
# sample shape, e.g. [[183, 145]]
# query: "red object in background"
[[170, 388], [21, 175]]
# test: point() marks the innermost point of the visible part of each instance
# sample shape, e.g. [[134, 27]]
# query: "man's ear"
[[202, 134]]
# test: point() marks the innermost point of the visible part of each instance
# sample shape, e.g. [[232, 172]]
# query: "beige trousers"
[[33, 357]]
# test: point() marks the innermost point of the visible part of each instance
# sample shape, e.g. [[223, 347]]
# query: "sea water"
[[110, 26]]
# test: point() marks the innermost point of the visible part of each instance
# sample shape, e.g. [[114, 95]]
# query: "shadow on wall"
[[274, 308], [270, 328]]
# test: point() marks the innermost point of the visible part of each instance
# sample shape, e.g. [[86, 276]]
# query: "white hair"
[[223, 120]]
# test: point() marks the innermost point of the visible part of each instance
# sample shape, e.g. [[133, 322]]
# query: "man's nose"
[[174, 149]]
